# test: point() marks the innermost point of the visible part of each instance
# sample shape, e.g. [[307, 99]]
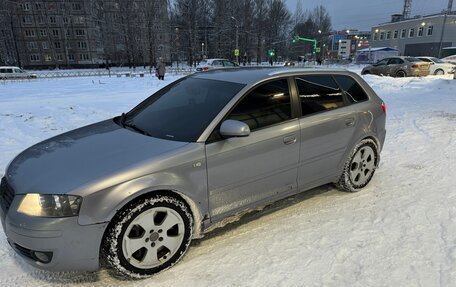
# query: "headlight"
[[46, 205]]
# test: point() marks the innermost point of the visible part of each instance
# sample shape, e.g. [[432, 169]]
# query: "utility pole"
[[237, 39]]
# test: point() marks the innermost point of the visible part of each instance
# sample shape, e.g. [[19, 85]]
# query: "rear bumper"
[[72, 247]]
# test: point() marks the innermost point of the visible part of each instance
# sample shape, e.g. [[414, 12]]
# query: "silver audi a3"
[[133, 191]]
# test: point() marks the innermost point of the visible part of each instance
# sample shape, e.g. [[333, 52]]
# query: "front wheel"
[[401, 74], [360, 166], [148, 236], [439, 72]]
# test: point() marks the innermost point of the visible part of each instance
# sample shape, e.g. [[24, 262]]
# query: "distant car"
[[450, 59], [210, 64], [438, 67], [14, 73], [288, 63], [398, 67], [135, 189]]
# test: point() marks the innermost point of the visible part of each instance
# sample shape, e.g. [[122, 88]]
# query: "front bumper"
[[73, 247]]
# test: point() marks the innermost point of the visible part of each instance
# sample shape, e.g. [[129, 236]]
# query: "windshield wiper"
[[136, 128]]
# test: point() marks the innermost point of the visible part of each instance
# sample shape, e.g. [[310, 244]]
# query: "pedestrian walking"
[[160, 70]]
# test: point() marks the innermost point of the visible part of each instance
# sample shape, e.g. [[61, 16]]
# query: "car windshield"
[[182, 110], [437, 60]]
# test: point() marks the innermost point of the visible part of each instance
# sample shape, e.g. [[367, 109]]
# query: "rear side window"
[[353, 90], [318, 93], [266, 105], [395, 61]]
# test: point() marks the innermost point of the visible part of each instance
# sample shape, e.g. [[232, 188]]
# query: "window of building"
[[382, 35], [47, 58], [32, 45], [78, 20], [84, 57], [82, 45], [375, 36], [52, 19], [411, 33], [24, 6], [65, 20], [420, 31], [39, 6], [27, 20], [403, 33], [429, 30], [68, 45], [70, 57], [388, 35], [45, 45], [351, 88], [79, 32], [57, 45], [43, 32], [34, 58], [29, 33], [266, 105], [59, 57], [395, 34], [40, 19], [55, 32], [318, 94], [77, 6]]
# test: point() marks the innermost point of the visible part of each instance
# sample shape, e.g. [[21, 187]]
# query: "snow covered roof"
[[378, 49]]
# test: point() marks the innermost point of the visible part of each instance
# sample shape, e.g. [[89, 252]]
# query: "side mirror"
[[232, 128]]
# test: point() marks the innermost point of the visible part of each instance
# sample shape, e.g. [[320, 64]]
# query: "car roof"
[[250, 76], [9, 67]]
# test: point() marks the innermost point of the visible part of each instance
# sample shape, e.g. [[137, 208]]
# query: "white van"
[[14, 73]]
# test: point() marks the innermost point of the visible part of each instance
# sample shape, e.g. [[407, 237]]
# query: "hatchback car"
[[438, 67], [15, 73], [398, 67], [135, 189], [211, 64]]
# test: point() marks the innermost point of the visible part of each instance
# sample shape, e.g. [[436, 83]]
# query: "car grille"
[[6, 195]]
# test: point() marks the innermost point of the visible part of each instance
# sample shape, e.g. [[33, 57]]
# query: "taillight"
[[205, 68], [415, 66], [383, 107]]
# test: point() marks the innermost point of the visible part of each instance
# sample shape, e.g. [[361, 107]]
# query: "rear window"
[[353, 90]]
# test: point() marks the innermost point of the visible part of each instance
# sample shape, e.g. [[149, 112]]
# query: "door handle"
[[289, 140], [349, 122]]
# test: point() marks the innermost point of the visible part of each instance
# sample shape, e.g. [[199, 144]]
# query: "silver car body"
[[211, 64], [398, 67], [110, 166], [438, 66]]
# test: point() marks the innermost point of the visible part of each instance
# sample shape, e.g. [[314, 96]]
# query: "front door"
[[244, 172]]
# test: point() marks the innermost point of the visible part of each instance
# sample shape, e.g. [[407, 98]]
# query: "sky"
[[363, 14]]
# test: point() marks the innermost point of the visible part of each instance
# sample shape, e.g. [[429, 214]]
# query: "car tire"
[[360, 166], [439, 72], [401, 74], [365, 73], [148, 236]]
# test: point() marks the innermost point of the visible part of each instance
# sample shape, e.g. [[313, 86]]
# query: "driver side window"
[[266, 105]]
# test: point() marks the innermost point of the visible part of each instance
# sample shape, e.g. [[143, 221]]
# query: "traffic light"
[[271, 53]]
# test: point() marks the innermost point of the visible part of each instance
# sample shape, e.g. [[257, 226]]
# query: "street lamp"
[[237, 38], [202, 50]]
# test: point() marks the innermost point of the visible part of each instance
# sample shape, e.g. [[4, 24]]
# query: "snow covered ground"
[[399, 231]]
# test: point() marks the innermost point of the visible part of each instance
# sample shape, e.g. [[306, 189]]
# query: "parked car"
[[8, 72], [288, 63], [210, 64], [398, 67], [135, 189], [438, 67], [450, 59]]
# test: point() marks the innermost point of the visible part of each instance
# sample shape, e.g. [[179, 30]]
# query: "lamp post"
[[237, 37], [202, 50]]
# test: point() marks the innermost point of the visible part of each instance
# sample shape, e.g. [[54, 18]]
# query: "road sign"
[[317, 50], [236, 53]]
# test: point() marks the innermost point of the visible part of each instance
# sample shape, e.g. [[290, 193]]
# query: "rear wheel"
[[401, 74], [360, 166], [148, 236]]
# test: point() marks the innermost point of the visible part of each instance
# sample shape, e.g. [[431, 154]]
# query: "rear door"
[[242, 172], [394, 65], [380, 67], [327, 126]]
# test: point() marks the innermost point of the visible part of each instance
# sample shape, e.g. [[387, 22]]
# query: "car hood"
[[100, 153]]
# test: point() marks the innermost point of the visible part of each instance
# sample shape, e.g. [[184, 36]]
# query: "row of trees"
[[214, 28]]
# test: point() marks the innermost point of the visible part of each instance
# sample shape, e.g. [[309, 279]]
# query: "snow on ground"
[[399, 231]]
